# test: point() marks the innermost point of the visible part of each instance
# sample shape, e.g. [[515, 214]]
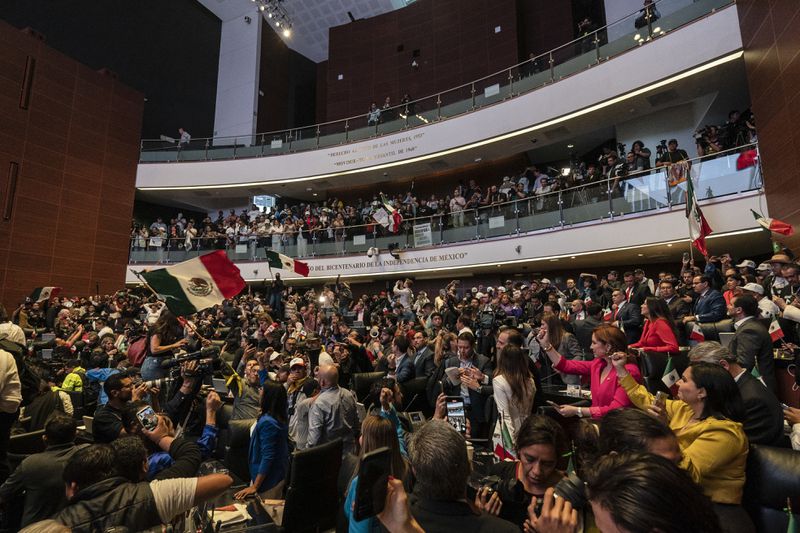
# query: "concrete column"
[[237, 80]]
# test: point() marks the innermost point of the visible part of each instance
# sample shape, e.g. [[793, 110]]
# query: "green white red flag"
[[698, 227], [773, 224], [697, 333], [775, 331], [41, 294], [196, 284], [671, 375], [284, 262]]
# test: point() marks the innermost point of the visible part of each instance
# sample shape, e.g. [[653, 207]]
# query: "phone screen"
[[456, 414], [373, 476], [147, 418]]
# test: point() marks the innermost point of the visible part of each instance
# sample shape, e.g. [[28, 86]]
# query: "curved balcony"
[[718, 179], [541, 71]]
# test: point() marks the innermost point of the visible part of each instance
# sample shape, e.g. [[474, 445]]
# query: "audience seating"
[[77, 404], [415, 397], [362, 383], [711, 330], [652, 365], [313, 478], [773, 475], [22, 445], [238, 448]]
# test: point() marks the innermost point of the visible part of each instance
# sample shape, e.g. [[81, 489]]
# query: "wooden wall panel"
[[772, 59], [77, 147], [456, 43]]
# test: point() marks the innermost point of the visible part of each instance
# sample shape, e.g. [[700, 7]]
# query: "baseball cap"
[[763, 267], [297, 361], [754, 287], [274, 356], [747, 263], [545, 281], [780, 258], [479, 295], [489, 289]]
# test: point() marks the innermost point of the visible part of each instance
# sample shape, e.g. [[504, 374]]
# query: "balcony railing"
[[603, 200], [545, 69]]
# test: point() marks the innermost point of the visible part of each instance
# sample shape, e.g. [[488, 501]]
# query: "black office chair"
[[238, 448], [652, 365], [711, 330], [313, 478], [362, 383], [415, 397], [773, 475], [77, 404], [23, 445]]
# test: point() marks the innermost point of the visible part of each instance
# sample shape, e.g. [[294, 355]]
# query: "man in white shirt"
[[10, 399], [185, 137], [767, 307], [402, 290]]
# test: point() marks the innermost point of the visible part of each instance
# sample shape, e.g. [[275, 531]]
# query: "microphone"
[[209, 352]]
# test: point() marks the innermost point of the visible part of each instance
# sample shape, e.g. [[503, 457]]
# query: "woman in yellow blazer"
[[705, 419]]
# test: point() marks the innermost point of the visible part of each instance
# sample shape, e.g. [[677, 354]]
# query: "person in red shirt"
[[658, 334]]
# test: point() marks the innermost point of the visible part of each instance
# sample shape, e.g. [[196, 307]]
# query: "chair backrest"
[[652, 365], [237, 451], [773, 475], [77, 404], [26, 444], [313, 478], [415, 396], [711, 330], [362, 382]]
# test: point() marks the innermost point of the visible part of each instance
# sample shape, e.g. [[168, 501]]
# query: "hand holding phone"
[[373, 476]]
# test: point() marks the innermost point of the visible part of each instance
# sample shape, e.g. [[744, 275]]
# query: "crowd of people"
[[478, 360], [522, 193]]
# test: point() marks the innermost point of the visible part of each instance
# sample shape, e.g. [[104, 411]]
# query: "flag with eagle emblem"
[[196, 284], [285, 262]]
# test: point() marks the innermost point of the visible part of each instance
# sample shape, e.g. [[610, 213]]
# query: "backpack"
[[27, 377], [139, 350]]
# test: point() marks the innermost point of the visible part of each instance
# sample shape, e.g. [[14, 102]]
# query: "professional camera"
[[621, 150], [491, 319], [573, 489], [160, 383], [661, 147], [206, 356], [700, 134]]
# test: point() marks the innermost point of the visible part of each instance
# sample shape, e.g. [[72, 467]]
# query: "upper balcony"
[[635, 219], [493, 116]]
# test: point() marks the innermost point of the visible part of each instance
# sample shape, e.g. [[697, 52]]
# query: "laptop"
[[726, 338]]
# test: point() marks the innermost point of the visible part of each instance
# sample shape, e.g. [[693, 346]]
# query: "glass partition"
[[549, 207], [575, 56]]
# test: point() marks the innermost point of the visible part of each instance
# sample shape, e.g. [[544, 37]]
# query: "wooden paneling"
[[772, 59], [77, 149], [456, 43]]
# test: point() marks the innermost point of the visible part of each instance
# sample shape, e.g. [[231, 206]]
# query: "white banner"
[[497, 222], [359, 240], [155, 242], [422, 235]]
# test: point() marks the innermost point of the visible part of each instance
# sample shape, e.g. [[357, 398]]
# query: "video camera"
[[207, 357]]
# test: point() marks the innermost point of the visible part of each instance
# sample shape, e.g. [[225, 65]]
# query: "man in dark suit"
[[476, 382], [404, 366], [678, 307], [584, 328], [627, 316], [635, 293], [751, 344], [763, 418], [422, 357], [709, 306]]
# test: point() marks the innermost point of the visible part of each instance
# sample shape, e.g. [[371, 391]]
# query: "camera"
[[661, 147], [159, 383], [573, 489]]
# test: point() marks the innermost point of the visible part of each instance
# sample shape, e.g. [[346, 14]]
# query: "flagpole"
[[147, 285]]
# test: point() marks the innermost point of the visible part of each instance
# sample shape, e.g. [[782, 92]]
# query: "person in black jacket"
[[751, 344], [99, 497], [763, 419], [584, 328], [627, 316]]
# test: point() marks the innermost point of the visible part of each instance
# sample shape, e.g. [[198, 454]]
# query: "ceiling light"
[[269, 15], [669, 246], [570, 146], [278, 23], [287, 32], [261, 8], [640, 255], [315, 194]]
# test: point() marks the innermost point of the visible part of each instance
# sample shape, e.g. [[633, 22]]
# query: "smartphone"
[[685, 257], [660, 399], [456, 414], [147, 418], [373, 477]]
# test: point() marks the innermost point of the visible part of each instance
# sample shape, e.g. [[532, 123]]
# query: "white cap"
[[274, 356], [474, 290], [297, 361], [747, 263], [546, 281], [489, 289], [763, 267], [479, 295], [754, 287]]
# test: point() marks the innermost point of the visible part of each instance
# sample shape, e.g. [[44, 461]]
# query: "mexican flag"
[[773, 224], [196, 284], [775, 331], [608, 315], [387, 205], [697, 333], [698, 227], [41, 294], [671, 376], [276, 260], [503, 444]]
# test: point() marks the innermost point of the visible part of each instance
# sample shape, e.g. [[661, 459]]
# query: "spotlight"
[[565, 171], [261, 8], [287, 32], [373, 252]]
